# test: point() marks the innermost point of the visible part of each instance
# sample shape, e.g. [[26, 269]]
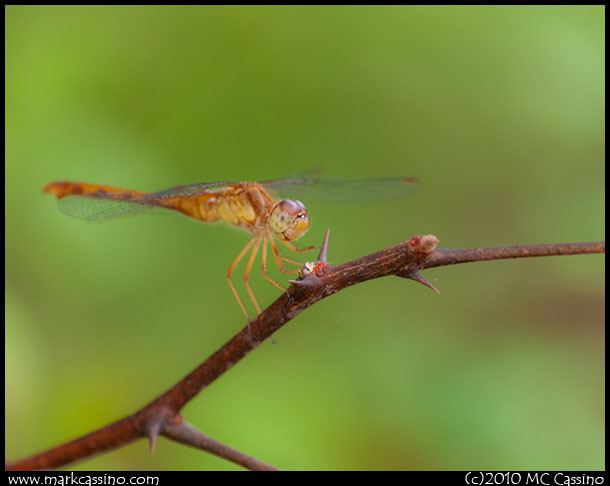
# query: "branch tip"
[[422, 245], [187, 434]]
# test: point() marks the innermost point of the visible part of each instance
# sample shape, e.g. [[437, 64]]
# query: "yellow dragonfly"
[[248, 205]]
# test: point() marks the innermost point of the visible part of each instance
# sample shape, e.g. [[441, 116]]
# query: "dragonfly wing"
[[348, 191], [100, 210], [212, 186], [193, 188]]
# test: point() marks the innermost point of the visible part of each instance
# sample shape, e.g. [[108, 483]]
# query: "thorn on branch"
[[412, 272], [317, 268], [324, 249], [421, 246], [155, 424], [152, 432]]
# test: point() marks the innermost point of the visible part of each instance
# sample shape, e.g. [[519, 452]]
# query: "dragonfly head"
[[289, 220]]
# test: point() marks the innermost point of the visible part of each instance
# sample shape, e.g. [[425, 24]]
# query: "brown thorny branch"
[[317, 280]]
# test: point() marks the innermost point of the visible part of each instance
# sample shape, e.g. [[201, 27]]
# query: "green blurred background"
[[498, 111]]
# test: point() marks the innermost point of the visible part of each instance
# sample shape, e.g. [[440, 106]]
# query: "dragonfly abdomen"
[[97, 191], [201, 207]]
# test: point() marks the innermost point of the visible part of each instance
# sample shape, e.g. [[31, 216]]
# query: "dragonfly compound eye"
[[289, 219]]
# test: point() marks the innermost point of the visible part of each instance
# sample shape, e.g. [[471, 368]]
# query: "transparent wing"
[[193, 188], [348, 191], [212, 186], [100, 210]]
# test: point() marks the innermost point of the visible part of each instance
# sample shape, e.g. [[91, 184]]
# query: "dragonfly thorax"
[[289, 220]]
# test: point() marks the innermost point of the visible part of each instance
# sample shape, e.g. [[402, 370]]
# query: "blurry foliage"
[[498, 111]]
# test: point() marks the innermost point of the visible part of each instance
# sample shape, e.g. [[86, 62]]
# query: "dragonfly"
[[253, 206]]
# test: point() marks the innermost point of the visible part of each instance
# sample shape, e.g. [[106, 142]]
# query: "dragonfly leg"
[[278, 258], [288, 260], [230, 271], [295, 248], [264, 266], [257, 244]]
